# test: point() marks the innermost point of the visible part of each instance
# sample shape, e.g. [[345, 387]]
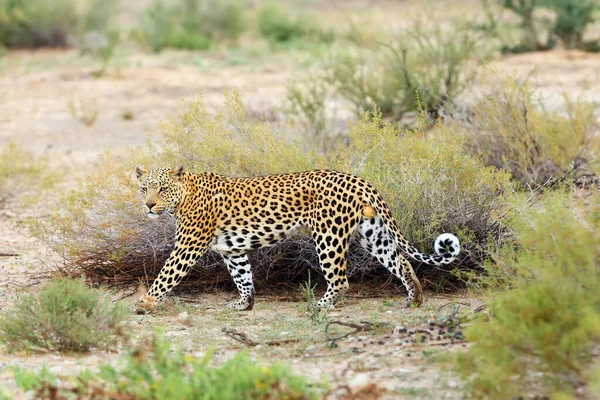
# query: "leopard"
[[232, 216]]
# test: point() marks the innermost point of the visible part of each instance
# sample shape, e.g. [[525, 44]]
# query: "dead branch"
[[245, 339], [366, 326]]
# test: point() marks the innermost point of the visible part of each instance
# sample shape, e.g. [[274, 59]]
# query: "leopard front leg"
[[239, 269], [177, 266]]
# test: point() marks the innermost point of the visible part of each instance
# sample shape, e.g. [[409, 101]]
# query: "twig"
[[9, 255], [366, 326], [243, 338]]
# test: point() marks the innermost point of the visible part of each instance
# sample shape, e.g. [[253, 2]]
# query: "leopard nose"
[[150, 205]]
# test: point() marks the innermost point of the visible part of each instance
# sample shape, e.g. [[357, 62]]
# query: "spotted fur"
[[232, 216]]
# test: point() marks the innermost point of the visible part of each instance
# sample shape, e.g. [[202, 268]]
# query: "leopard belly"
[[247, 238]]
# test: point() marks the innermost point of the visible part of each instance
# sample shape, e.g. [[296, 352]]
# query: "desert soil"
[[37, 92]]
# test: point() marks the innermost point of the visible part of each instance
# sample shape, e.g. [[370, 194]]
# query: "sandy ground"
[[38, 92]]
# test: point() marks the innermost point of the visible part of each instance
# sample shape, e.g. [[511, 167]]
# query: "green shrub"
[[571, 19], [33, 23], [539, 148], [192, 24], [280, 24], [161, 371], [23, 177], [157, 26], [540, 335], [431, 185], [426, 59], [65, 315]]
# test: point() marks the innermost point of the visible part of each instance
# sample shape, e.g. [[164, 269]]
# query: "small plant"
[[311, 306], [85, 111], [127, 115], [159, 371], [65, 315], [157, 26], [22, 176], [307, 100], [104, 50]]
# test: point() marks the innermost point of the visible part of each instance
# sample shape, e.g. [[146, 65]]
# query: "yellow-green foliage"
[[540, 335], [65, 315], [161, 371], [538, 147], [22, 176], [428, 182]]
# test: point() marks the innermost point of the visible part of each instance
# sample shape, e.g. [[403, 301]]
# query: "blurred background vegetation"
[[478, 118]]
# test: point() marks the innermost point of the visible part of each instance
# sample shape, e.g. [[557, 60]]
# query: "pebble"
[[184, 316], [358, 382]]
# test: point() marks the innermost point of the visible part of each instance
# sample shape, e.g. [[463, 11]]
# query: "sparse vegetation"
[[280, 24], [568, 25], [539, 148], [424, 59], [65, 315], [192, 24], [85, 111], [22, 176], [159, 370], [517, 351], [59, 23]]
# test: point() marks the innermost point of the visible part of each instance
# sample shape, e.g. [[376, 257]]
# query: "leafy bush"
[[33, 23], [430, 184], [278, 24], [192, 24], [571, 19], [159, 371], [427, 59], [539, 148], [539, 337], [22, 176], [65, 315]]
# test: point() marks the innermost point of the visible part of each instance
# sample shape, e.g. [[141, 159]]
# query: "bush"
[[539, 148], [278, 24], [22, 176], [33, 23], [192, 24], [540, 336], [571, 19], [65, 315], [426, 60], [159, 371], [430, 184]]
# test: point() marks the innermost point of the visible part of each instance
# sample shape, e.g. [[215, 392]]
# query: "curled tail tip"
[[447, 245]]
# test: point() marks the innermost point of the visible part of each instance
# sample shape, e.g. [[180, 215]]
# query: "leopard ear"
[[176, 173], [140, 171]]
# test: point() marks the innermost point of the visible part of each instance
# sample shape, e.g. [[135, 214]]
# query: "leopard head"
[[161, 189]]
